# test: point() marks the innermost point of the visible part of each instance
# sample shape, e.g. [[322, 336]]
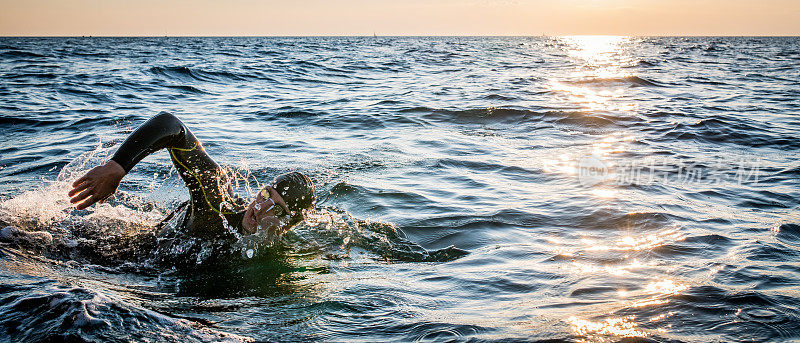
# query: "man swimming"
[[276, 208]]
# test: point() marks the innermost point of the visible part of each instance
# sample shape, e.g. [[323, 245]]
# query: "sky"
[[398, 17]]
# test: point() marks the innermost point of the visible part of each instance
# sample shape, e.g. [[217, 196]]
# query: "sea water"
[[596, 188]]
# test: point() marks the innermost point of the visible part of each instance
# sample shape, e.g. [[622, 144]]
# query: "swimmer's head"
[[297, 191], [279, 206]]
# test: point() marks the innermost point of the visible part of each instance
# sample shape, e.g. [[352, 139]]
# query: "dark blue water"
[[605, 188]]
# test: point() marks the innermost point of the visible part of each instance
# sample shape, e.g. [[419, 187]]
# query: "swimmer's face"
[[262, 212]]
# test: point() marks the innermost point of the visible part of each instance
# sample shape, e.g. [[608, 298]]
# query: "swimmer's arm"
[[161, 131], [164, 130]]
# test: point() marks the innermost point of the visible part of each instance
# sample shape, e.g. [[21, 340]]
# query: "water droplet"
[[250, 253]]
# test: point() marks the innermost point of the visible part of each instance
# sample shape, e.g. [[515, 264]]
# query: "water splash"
[[336, 234], [48, 206]]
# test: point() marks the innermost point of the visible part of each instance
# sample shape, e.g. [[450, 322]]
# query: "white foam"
[[49, 207]]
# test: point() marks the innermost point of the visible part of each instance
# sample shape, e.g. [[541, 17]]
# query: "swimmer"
[[275, 208]]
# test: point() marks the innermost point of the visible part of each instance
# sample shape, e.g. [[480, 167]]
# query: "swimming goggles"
[[265, 195]]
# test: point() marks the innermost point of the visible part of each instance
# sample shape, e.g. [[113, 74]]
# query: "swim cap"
[[297, 191]]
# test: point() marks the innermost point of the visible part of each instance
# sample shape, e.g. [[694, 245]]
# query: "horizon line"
[[374, 36]]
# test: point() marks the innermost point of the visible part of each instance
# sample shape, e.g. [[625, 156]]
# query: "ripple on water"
[[42, 310]]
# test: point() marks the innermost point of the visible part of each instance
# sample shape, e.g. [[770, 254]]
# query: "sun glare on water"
[[599, 62], [594, 49]]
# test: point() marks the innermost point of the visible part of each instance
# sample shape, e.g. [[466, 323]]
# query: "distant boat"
[[373, 34]]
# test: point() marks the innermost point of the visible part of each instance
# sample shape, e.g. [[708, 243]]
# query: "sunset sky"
[[390, 17]]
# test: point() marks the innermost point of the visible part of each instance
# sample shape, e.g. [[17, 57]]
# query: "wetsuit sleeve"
[[208, 184]]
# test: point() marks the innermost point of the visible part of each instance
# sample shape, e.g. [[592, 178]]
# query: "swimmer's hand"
[[97, 185]]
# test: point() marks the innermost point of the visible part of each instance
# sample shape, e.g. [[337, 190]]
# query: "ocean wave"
[[511, 116], [28, 121], [314, 118], [21, 53], [89, 53], [631, 81], [725, 129], [290, 114], [788, 233], [706, 81], [186, 89], [42, 310], [92, 96], [32, 76], [643, 63], [760, 278], [195, 74], [478, 166], [756, 312], [499, 97], [335, 231], [771, 252], [309, 65], [610, 219], [439, 331]]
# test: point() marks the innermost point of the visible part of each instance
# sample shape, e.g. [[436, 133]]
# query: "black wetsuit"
[[212, 198]]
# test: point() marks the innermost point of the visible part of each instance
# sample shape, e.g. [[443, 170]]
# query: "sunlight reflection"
[[558, 247], [595, 49], [564, 164], [649, 302], [666, 287], [631, 243], [594, 100], [658, 291], [661, 316], [628, 243], [600, 56], [604, 193], [616, 270], [594, 167], [613, 143], [619, 327], [599, 78]]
